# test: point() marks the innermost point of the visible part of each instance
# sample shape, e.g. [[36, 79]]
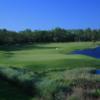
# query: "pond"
[[93, 52], [97, 71]]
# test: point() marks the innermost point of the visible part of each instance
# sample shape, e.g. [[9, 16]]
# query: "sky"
[[47, 14]]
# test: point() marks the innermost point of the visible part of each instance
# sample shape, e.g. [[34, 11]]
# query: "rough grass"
[[55, 66], [54, 84], [9, 92]]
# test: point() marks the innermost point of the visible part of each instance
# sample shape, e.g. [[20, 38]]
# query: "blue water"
[[97, 71], [95, 52]]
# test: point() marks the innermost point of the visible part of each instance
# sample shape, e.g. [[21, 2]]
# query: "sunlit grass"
[[45, 54], [53, 62]]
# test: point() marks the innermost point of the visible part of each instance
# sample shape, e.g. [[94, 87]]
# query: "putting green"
[[47, 55]]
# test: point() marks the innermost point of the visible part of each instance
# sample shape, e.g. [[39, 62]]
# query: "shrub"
[[20, 77], [95, 93]]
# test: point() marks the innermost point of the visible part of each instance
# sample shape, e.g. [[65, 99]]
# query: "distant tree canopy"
[[55, 35]]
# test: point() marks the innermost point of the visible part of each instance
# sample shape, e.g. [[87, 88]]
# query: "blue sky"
[[47, 14]]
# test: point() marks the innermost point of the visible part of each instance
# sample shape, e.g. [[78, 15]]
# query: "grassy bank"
[[55, 69]]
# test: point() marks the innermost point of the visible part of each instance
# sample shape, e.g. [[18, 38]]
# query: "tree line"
[[55, 35]]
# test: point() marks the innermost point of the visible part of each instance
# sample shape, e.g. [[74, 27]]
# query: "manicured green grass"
[[53, 61], [47, 56]]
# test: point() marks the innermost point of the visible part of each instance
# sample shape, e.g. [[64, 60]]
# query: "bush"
[[61, 93], [20, 77], [96, 93]]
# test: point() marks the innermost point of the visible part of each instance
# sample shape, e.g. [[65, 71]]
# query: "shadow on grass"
[[23, 47], [9, 92], [58, 65], [8, 54]]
